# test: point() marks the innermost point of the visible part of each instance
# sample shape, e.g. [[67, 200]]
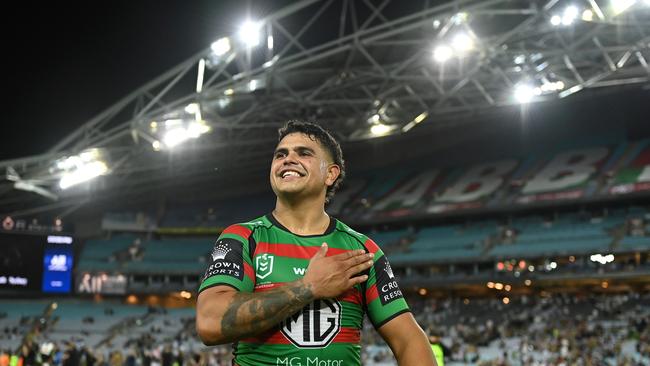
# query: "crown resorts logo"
[[219, 252], [389, 271]]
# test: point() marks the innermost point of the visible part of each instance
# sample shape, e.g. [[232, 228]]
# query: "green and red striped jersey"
[[262, 254]]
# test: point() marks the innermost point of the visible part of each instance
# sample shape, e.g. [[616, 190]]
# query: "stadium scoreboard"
[[36, 262]]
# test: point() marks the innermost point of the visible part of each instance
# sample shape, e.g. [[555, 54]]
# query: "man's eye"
[[279, 155]]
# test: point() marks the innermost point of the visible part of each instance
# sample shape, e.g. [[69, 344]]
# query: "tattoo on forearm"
[[250, 314]]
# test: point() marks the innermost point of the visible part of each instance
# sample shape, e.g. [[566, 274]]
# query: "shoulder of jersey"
[[345, 228], [255, 224]]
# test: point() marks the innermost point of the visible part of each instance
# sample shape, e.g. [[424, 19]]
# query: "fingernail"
[[370, 255], [370, 263]]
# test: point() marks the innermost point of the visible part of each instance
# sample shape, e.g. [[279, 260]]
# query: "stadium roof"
[[360, 68]]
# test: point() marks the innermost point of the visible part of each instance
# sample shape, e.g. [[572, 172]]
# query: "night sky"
[[65, 63]]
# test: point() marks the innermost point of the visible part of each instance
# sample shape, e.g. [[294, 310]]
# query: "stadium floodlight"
[[196, 129], [175, 137], [519, 59], [459, 18], [548, 87], [199, 76], [524, 93], [269, 42], [157, 146], [462, 42], [221, 46], [192, 108], [442, 53], [83, 173], [379, 129], [588, 15], [178, 133], [556, 20], [249, 33], [570, 15], [418, 119], [619, 6]]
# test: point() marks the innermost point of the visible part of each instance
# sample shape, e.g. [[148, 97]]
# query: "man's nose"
[[292, 158]]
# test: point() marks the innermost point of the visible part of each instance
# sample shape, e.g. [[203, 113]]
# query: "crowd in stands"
[[554, 329]]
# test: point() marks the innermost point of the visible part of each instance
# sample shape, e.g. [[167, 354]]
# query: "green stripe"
[[343, 354], [352, 315], [336, 239], [378, 313]]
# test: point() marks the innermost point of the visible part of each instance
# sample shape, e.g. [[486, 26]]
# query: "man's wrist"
[[307, 290]]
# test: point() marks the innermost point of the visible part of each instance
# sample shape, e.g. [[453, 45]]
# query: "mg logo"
[[263, 265], [315, 325]]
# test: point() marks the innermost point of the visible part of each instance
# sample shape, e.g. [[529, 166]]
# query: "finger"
[[359, 268], [357, 280], [357, 260], [347, 255], [322, 252]]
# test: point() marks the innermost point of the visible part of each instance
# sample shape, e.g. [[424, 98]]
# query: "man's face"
[[301, 166]]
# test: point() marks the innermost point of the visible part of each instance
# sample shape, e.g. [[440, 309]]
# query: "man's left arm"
[[407, 341], [389, 313]]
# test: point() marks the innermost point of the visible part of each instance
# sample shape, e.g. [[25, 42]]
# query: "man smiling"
[[292, 287]]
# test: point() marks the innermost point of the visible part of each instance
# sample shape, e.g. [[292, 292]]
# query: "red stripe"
[[371, 293], [371, 246], [346, 335], [268, 286], [352, 295], [249, 272], [238, 230], [294, 251]]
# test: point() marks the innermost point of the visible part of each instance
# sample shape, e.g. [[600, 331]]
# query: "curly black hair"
[[317, 133]]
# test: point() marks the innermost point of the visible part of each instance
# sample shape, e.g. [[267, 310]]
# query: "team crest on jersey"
[[315, 326], [263, 265]]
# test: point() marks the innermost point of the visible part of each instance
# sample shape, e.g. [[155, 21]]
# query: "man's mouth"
[[290, 174]]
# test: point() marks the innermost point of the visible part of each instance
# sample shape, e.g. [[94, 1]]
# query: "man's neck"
[[303, 218]]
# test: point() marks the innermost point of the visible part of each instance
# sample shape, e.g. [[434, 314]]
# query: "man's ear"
[[333, 172]]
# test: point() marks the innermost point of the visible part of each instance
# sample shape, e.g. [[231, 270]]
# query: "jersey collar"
[[330, 228]]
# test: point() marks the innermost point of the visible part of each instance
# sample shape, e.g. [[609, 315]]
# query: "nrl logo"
[[389, 271], [219, 252], [264, 265]]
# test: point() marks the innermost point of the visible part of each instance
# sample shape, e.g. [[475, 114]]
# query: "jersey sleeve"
[[230, 261], [384, 299]]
